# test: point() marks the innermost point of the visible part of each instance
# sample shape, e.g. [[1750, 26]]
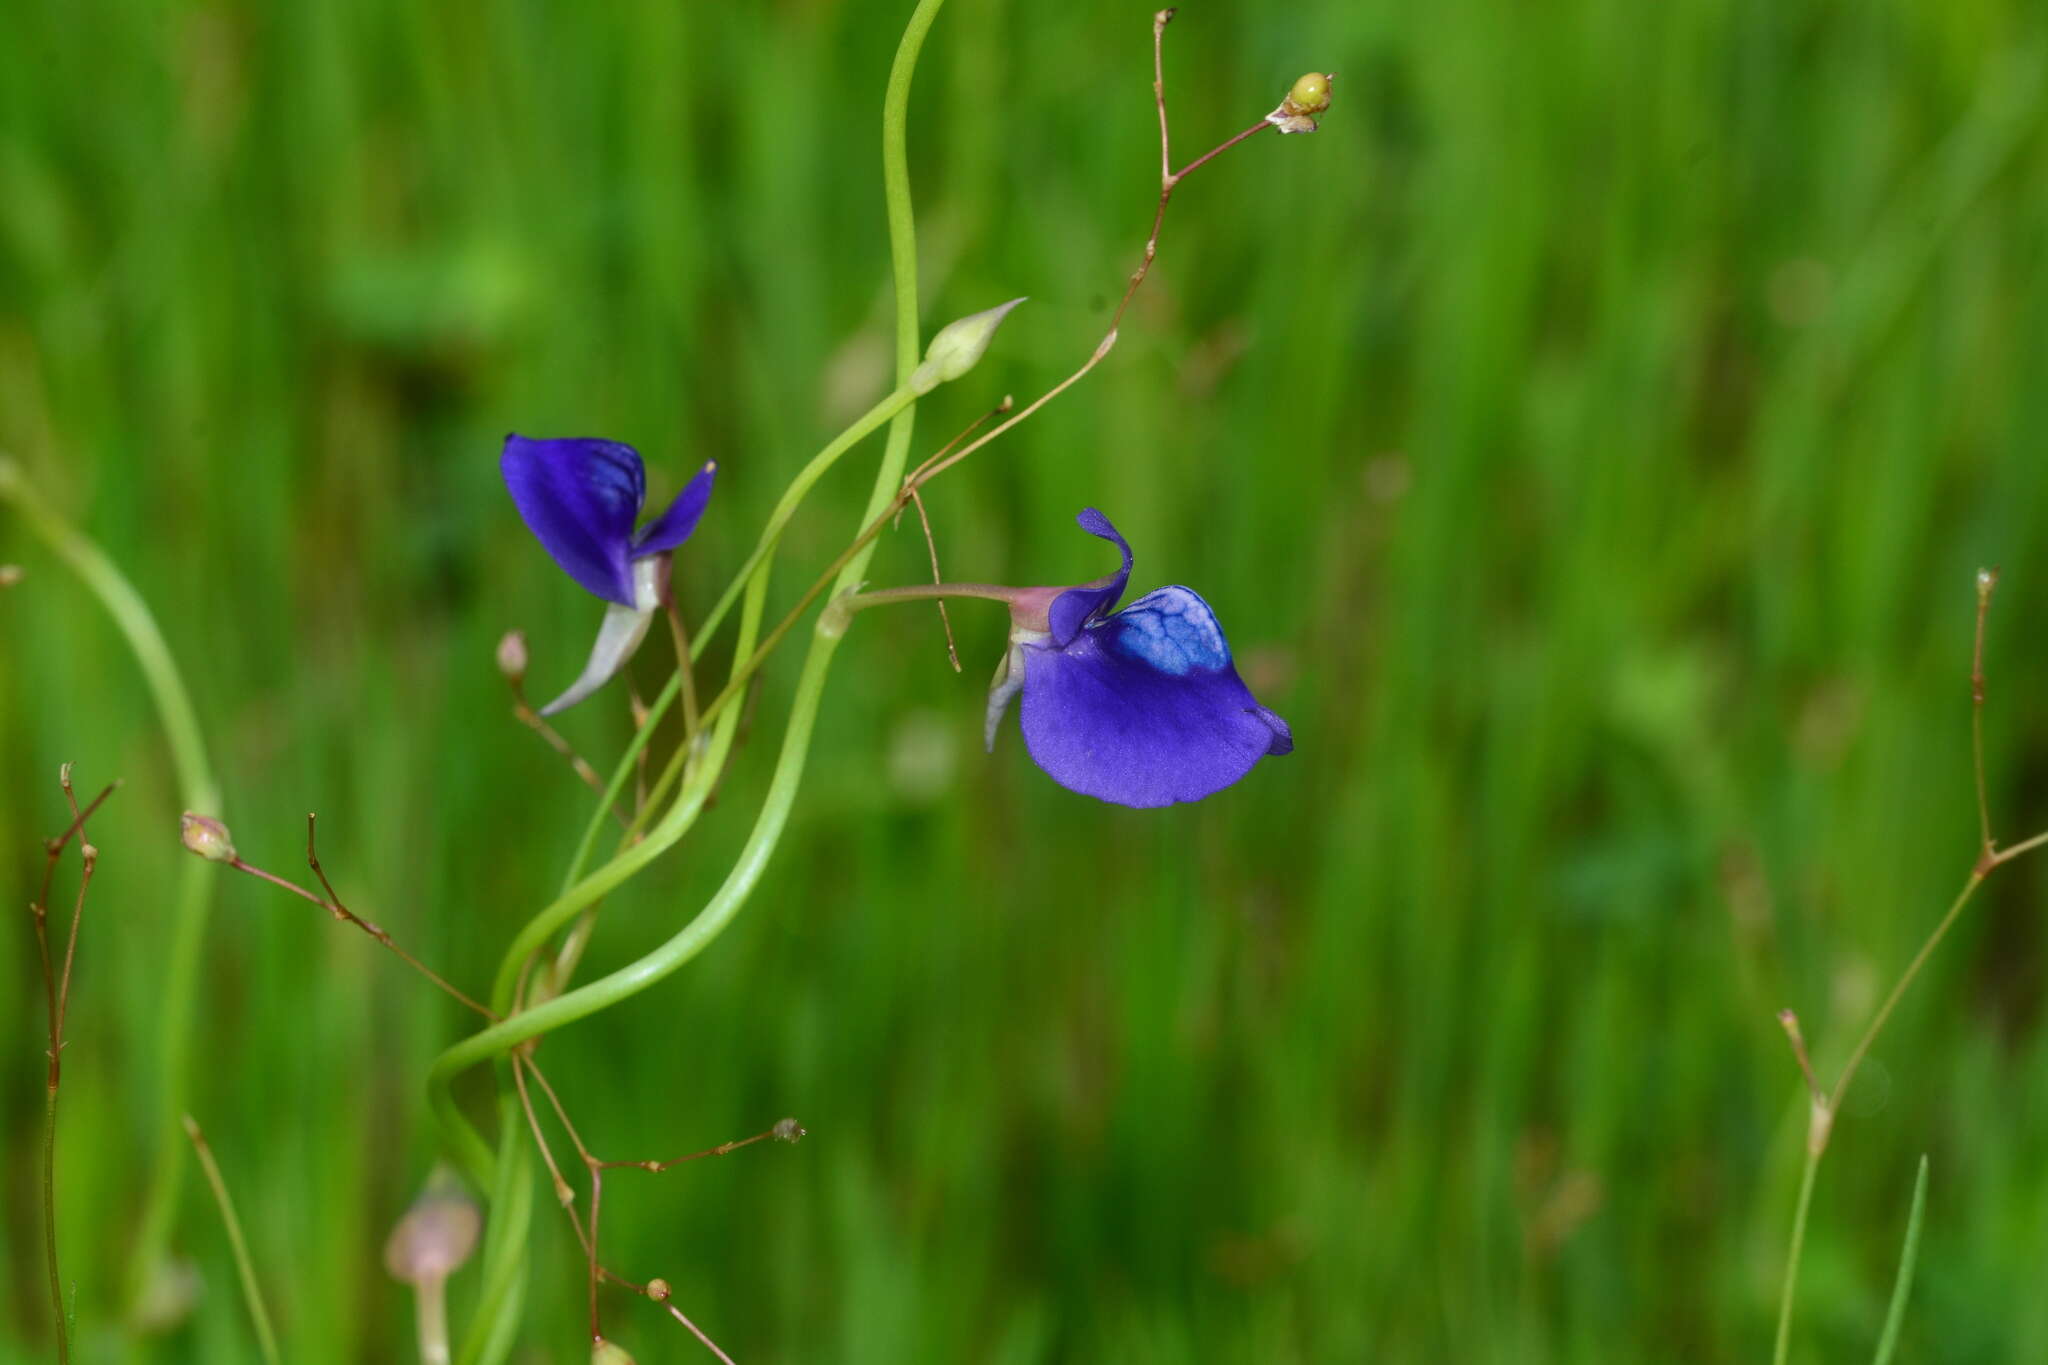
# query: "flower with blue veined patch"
[[1140, 707], [581, 498]]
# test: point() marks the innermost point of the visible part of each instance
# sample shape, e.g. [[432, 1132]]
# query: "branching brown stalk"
[[587, 1235], [1825, 1103], [332, 904], [57, 988]]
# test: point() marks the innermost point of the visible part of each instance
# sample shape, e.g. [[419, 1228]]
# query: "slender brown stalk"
[[332, 904], [57, 990], [534, 721], [1987, 583]]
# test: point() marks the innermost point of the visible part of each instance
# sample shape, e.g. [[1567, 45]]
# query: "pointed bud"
[[207, 837], [606, 1353], [788, 1130], [958, 347], [437, 1234], [512, 656]]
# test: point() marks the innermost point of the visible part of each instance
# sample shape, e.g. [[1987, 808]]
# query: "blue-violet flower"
[[581, 497], [1140, 707]]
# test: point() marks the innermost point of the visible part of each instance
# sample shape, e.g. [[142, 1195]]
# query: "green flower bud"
[[1311, 94], [605, 1353], [788, 1130], [958, 347], [207, 837], [1308, 97]]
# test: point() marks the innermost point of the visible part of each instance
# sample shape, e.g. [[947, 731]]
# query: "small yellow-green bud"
[[958, 347], [605, 1353], [207, 837], [10, 574], [1311, 94], [788, 1130], [437, 1234], [512, 656], [657, 1289], [1308, 97]]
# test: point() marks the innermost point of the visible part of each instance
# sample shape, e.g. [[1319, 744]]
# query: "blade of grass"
[[1896, 1316], [252, 1292]]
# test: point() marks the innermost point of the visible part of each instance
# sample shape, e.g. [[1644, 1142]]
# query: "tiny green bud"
[[605, 1353], [1308, 97], [958, 347], [657, 1289], [207, 837], [10, 574], [1311, 94], [788, 1130]]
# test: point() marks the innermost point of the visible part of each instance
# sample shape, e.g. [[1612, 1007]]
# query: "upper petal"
[[580, 497], [1072, 609], [674, 526], [1146, 708]]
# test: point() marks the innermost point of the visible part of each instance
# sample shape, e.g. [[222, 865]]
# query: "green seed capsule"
[[1311, 94]]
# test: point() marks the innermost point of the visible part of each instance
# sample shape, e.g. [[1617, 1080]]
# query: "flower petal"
[[674, 526], [1072, 608], [580, 497], [618, 636], [1146, 708]]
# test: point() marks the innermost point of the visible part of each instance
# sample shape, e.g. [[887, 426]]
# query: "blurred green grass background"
[[1588, 440]]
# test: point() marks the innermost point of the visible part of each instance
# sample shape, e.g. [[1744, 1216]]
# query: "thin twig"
[[251, 1290], [533, 720], [57, 989], [1987, 582], [333, 905], [932, 544]]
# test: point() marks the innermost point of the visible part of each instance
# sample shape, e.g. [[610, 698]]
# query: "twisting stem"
[[252, 1291]]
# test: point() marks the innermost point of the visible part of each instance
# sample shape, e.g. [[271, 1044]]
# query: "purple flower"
[[581, 497], [1140, 707]]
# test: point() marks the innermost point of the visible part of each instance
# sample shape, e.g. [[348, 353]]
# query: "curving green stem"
[[195, 881], [497, 1317]]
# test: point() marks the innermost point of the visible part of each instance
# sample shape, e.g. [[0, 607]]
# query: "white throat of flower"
[[1009, 679], [620, 633]]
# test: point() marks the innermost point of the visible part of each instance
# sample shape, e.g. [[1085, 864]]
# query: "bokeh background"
[[1588, 438]]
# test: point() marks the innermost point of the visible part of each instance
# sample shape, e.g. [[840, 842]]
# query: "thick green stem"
[[196, 790]]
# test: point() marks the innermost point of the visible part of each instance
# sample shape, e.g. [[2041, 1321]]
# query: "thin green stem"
[[1791, 1286], [252, 1291], [196, 789], [889, 409], [1891, 1001]]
